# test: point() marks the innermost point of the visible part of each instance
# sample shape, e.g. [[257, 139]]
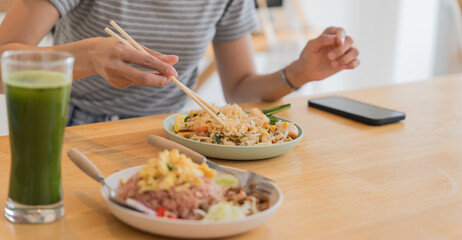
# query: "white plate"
[[232, 152], [179, 228]]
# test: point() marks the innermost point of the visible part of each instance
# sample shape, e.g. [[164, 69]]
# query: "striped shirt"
[[177, 27]]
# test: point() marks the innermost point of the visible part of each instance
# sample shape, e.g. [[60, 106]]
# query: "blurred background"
[[399, 41]]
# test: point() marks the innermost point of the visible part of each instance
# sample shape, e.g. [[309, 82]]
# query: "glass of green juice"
[[37, 87]]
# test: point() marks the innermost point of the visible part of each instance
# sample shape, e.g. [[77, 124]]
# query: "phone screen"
[[359, 111]]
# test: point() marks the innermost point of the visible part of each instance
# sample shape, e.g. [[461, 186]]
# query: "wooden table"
[[345, 180]]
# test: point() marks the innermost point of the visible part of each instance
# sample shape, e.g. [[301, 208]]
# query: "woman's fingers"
[[169, 59], [118, 81], [136, 76], [338, 32], [353, 64], [348, 57], [331, 36], [339, 51], [321, 41], [148, 61], [113, 61]]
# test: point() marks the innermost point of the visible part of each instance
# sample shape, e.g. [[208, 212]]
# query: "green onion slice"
[[277, 109], [169, 166]]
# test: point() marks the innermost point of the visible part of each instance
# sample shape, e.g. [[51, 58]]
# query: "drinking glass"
[[37, 88]]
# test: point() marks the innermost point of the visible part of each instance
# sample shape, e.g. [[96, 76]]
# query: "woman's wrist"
[[283, 77], [83, 54], [294, 75]]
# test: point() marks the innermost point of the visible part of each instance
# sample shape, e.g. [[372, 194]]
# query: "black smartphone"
[[358, 111], [271, 3]]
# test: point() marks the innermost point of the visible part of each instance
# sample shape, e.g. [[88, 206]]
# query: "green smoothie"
[[37, 104]]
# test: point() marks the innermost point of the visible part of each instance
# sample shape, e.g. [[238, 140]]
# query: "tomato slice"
[[160, 212]]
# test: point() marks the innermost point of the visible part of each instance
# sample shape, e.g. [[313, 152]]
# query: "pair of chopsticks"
[[130, 42]]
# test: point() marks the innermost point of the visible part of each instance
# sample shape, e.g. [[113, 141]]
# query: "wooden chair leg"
[[266, 22], [301, 15]]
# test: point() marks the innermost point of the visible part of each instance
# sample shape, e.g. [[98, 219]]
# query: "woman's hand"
[[113, 61], [324, 56], [104, 56]]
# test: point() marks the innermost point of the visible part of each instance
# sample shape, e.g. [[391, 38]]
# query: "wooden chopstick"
[[110, 32], [139, 47], [184, 88], [197, 100], [129, 39], [130, 42], [178, 83]]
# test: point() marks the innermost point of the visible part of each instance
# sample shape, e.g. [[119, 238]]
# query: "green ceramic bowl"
[[232, 152]]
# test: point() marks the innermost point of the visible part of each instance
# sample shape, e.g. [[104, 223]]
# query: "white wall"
[[396, 40], [416, 40]]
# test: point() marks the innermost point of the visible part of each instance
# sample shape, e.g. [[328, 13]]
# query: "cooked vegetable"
[[272, 119], [228, 210], [273, 110], [236, 138], [226, 180], [160, 212], [241, 128], [277, 109], [169, 166], [218, 138], [180, 118], [189, 117]]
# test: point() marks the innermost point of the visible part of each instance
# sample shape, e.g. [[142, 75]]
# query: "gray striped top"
[[179, 27]]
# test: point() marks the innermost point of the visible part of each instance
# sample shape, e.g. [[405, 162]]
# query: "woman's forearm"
[[238, 77], [81, 50], [265, 87], [112, 60]]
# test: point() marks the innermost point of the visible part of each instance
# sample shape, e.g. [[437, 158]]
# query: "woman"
[[114, 81]]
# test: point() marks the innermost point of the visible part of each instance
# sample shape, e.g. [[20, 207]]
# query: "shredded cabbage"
[[226, 180], [226, 210]]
